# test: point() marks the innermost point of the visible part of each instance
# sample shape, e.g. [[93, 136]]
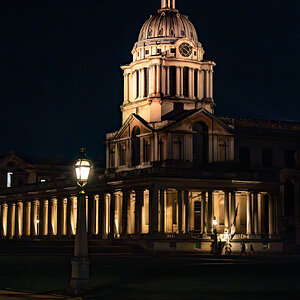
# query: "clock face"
[[185, 49]]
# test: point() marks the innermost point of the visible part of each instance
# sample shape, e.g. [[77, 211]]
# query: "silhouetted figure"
[[243, 249], [251, 249]]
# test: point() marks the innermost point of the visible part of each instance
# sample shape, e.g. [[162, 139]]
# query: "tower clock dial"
[[185, 49]]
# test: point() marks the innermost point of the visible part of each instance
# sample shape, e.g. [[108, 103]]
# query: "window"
[[267, 157], [223, 149], [147, 52], [177, 148], [43, 180], [186, 82], [146, 151], [289, 199], [112, 157], [172, 81], [122, 155], [196, 83], [9, 179], [173, 50], [290, 159], [146, 82], [136, 153], [137, 84], [244, 156], [161, 150], [200, 143], [158, 51]]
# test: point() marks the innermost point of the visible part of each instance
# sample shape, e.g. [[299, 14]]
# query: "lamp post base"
[[80, 274]]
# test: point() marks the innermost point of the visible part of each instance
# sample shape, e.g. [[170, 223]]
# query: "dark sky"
[[60, 79]]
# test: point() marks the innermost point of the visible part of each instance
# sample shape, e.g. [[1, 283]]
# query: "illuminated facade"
[[174, 166]]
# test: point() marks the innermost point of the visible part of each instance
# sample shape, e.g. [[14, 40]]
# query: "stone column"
[[211, 83], [125, 88], [255, 213], [179, 193], [178, 84], [271, 216], [168, 81], [153, 210], [11, 220], [226, 210], [210, 212], [111, 234], [142, 83], [163, 81], [24, 219], [4, 219], [203, 210], [134, 85], [187, 210], [158, 79], [1, 221], [207, 82], [249, 214], [139, 199], [233, 207], [162, 211], [125, 202], [201, 84], [191, 83]]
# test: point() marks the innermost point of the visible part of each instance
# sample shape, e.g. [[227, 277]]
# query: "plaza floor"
[[155, 277]]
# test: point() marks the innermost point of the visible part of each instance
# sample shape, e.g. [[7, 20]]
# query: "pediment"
[[13, 162], [213, 123], [133, 120]]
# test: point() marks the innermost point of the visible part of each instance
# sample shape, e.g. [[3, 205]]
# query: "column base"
[[80, 274]]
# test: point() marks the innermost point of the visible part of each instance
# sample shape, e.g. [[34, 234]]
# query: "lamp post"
[[215, 224], [80, 261]]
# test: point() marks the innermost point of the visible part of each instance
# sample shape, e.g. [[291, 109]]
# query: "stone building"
[[175, 171]]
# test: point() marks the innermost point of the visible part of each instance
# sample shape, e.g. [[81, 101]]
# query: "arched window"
[[289, 199], [122, 155], [200, 143], [146, 151], [136, 154]]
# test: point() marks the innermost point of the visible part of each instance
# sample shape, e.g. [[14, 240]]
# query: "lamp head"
[[215, 222], [82, 168]]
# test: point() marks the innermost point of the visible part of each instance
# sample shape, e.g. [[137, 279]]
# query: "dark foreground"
[[159, 277]]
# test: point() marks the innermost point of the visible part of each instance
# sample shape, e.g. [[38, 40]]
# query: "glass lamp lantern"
[[215, 222], [82, 168]]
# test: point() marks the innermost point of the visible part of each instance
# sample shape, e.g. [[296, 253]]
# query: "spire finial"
[[167, 4]]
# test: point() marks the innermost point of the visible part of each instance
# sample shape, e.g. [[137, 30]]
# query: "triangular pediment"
[[132, 121], [14, 162], [186, 120]]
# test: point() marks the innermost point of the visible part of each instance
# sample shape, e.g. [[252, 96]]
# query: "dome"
[[168, 24]]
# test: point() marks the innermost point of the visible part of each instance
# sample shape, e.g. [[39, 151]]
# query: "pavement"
[[21, 295]]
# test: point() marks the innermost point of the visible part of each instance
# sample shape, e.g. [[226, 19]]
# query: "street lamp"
[[80, 261]]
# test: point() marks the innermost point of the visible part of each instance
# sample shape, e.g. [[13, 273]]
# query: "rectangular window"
[[267, 157], [158, 51], [146, 82], [186, 82], [244, 156], [173, 81], [196, 83], [173, 50], [9, 179], [290, 159]]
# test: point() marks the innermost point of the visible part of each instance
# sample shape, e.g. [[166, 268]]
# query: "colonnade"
[[157, 81], [125, 213]]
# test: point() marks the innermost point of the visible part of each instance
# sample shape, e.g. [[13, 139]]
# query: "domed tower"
[[168, 72]]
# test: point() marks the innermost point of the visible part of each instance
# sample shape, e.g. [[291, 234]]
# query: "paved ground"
[[156, 277]]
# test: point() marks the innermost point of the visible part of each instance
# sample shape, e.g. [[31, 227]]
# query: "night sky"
[[60, 79]]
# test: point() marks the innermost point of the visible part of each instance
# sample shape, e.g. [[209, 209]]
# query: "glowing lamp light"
[[82, 168], [215, 222]]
